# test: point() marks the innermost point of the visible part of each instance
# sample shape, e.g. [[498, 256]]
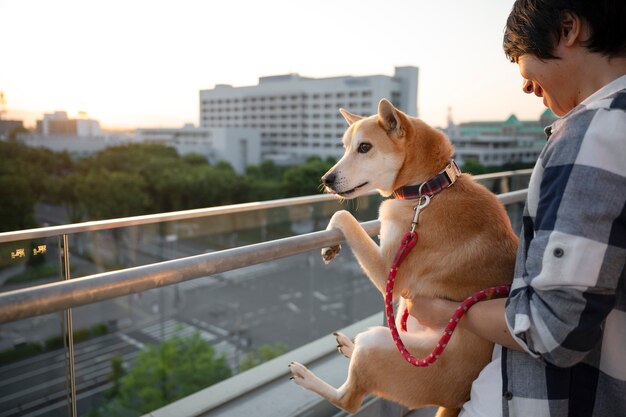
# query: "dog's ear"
[[389, 118], [350, 118]]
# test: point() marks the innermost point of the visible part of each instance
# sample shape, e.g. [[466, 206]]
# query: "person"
[[561, 334]]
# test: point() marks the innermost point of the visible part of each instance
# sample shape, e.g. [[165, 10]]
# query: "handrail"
[[48, 298], [96, 225]]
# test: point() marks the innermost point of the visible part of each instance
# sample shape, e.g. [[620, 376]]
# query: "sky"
[[142, 63]]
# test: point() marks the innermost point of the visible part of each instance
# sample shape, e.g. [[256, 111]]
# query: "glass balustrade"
[[131, 354]]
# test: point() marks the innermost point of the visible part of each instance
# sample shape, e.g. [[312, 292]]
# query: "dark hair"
[[534, 26]]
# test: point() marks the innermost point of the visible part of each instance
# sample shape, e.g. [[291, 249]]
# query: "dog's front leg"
[[366, 251]]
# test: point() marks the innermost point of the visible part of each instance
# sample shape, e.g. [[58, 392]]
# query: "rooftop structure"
[[495, 143], [59, 124]]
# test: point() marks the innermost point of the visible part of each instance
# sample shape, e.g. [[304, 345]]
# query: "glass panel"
[[241, 317], [33, 365], [139, 352], [167, 343], [108, 250]]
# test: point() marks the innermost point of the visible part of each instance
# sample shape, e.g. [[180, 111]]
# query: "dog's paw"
[[302, 376], [344, 345], [328, 254]]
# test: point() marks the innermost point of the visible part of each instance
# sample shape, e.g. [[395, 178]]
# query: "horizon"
[[144, 64]]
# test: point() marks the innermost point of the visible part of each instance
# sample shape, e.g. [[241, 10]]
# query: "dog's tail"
[[447, 412]]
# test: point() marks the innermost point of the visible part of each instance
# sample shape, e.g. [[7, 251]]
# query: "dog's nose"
[[329, 179]]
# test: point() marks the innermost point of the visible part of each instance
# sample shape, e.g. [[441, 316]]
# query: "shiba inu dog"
[[465, 244]]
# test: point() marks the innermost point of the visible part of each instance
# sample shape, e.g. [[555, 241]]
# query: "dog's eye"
[[364, 147]]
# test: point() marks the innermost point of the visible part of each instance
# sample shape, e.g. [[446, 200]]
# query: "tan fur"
[[465, 244]]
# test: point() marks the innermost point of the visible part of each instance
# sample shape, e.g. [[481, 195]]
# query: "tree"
[[262, 354], [162, 374], [305, 179], [473, 167], [116, 375], [106, 194], [17, 203]]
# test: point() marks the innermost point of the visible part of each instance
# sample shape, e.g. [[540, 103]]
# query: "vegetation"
[[162, 374], [262, 354], [476, 168], [27, 350], [136, 179], [34, 273]]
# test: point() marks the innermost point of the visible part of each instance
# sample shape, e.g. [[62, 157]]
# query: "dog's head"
[[385, 151]]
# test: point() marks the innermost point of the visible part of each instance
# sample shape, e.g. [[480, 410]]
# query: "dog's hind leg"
[[348, 397], [345, 346]]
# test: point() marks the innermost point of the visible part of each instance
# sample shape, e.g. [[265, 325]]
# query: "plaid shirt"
[[567, 307]]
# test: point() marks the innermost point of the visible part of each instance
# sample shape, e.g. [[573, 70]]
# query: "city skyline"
[[144, 64]]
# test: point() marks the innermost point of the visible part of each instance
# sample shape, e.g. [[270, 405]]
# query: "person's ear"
[[571, 28]]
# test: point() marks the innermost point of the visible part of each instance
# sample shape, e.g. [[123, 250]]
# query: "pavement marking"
[[323, 298], [291, 306], [333, 306], [131, 341]]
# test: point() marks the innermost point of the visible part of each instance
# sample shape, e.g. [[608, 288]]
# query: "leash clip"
[[422, 202]]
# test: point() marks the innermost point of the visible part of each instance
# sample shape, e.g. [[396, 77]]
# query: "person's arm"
[[573, 257], [485, 319]]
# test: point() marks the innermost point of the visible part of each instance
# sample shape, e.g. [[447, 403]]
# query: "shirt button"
[[508, 395], [558, 252]]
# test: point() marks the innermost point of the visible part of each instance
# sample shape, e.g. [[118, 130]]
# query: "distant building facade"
[[298, 116], [76, 146], [495, 143], [9, 126], [239, 147], [58, 124]]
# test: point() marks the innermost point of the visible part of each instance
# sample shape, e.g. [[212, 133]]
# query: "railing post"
[[69, 351]]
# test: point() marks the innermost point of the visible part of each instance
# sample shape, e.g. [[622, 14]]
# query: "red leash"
[[408, 241]]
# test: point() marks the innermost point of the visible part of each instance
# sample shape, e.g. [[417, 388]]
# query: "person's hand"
[[431, 312]]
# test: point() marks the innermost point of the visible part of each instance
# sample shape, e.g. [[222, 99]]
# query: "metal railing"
[[42, 299]]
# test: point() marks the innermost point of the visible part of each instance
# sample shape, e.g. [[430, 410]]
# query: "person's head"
[[552, 39], [536, 26]]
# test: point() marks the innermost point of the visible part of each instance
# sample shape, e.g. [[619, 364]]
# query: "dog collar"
[[441, 181]]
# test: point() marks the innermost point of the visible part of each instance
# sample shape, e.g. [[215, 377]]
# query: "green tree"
[[305, 179], [17, 203], [195, 159], [473, 167], [266, 170], [116, 375], [106, 194], [262, 354], [164, 373]]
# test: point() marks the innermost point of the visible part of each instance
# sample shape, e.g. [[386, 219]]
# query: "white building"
[[77, 146], [58, 123], [298, 116], [495, 143], [239, 147]]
